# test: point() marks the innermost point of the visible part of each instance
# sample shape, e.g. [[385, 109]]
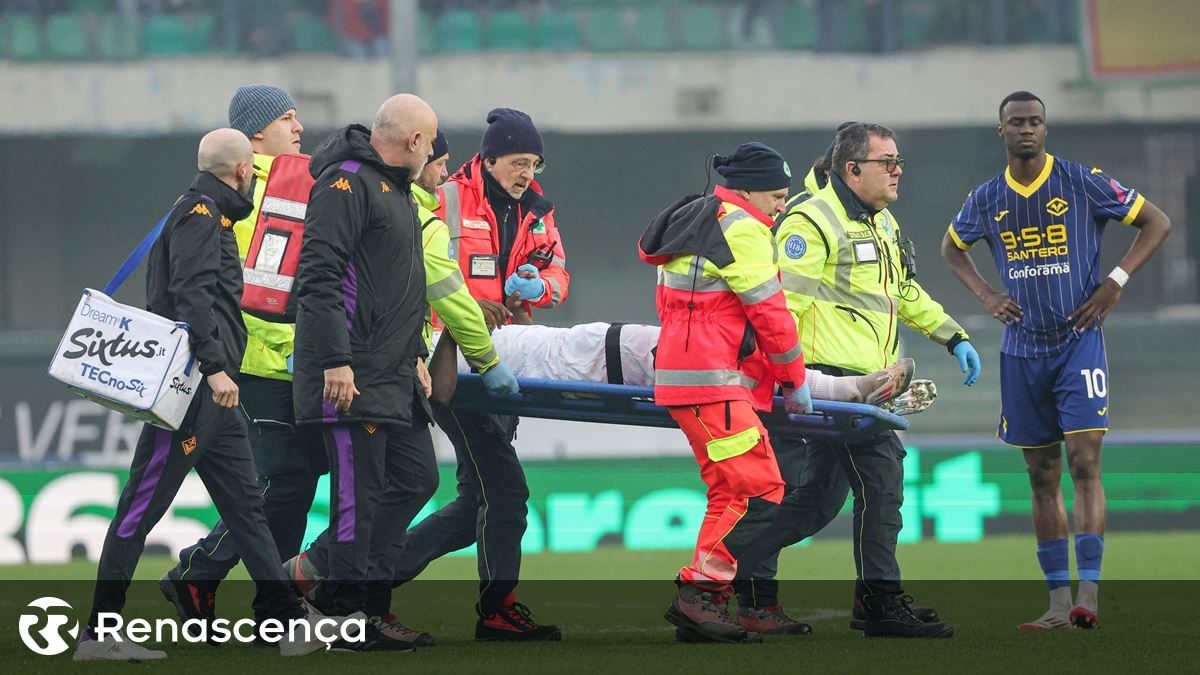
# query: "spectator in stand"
[[361, 27]]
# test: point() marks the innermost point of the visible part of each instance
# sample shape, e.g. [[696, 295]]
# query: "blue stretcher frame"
[[622, 404]]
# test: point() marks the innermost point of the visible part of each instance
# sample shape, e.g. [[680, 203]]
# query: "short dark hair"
[[1019, 96], [853, 142]]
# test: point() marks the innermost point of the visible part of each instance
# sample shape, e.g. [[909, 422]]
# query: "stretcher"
[[623, 404]]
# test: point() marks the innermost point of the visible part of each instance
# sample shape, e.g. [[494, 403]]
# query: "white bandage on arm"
[[1119, 275]]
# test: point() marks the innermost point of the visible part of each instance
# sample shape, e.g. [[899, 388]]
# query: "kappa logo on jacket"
[[342, 184], [202, 209], [384, 187], [226, 222], [188, 445]]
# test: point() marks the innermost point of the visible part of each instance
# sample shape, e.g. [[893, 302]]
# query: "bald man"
[[358, 339], [193, 276]]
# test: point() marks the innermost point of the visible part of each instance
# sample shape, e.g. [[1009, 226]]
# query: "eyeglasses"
[[524, 164], [889, 163]]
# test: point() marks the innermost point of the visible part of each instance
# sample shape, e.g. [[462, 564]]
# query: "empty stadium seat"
[[458, 31], [652, 29], [798, 26], [66, 37], [700, 28], [606, 29], [558, 30], [508, 29], [119, 37], [21, 40], [164, 35], [312, 34]]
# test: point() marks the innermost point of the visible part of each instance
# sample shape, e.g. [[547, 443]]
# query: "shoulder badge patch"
[[538, 227], [795, 247]]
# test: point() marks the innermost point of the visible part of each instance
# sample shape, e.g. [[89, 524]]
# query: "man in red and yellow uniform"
[[727, 340]]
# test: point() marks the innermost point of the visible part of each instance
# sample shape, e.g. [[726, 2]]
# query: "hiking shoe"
[[1049, 621], [90, 648], [858, 617], [919, 396], [770, 621], [192, 600], [304, 574], [1082, 617], [892, 616], [391, 627], [884, 385], [373, 640], [706, 613], [513, 623]]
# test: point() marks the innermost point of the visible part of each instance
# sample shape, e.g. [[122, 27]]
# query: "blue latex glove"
[[530, 289], [291, 363], [798, 401], [499, 379], [968, 359]]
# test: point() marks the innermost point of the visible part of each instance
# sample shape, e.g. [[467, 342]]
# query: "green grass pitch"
[[613, 625]]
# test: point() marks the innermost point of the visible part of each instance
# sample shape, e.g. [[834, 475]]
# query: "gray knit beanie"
[[254, 106]]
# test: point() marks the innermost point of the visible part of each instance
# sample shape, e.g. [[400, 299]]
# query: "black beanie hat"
[[441, 146], [754, 167], [510, 132]]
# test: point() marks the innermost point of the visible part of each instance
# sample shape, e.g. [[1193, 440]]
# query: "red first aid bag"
[[269, 273]]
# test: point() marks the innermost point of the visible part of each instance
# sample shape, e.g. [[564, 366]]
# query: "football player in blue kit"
[[1043, 218]]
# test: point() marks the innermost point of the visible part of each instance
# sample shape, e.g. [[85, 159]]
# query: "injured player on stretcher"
[[617, 353]]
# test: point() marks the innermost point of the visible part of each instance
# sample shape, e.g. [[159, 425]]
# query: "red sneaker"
[[513, 623]]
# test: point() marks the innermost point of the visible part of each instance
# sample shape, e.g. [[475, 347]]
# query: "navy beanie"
[[254, 106], [754, 167], [510, 132], [441, 146], [829, 150]]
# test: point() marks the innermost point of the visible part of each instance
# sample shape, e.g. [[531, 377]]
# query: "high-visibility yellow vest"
[[847, 287]]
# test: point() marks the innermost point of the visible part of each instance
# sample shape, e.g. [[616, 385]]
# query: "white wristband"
[[1119, 275]]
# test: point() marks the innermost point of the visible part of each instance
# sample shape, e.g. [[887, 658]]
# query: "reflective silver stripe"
[[786, 357], [947, 330], [703, 378], [284, 207], [558, 260], [555, 291], [480, 362], [845, 253], [444, 288], [732, 217], [798, 283], [453, 218], [267, 279], [867, 301], [760, 292], [684, 282]]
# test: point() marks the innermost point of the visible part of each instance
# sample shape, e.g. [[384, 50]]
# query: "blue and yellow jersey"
[[1045, 241]]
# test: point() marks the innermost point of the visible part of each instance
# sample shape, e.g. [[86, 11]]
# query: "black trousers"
[[215, 444], [402, 500], [490, 509], [873, 470], [289, 460], [365, 462]]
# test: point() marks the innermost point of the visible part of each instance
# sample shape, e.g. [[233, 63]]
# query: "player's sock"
[[830, 388], [1053, 556], [1089, 551]]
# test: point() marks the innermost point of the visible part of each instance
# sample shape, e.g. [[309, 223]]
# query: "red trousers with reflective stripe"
[[731, 481]]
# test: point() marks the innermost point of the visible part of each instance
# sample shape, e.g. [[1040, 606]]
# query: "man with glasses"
[[503, 235], [849, 278]]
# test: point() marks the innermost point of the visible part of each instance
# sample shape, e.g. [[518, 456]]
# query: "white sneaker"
[[91, 649], [1052, 619], [299, 646]]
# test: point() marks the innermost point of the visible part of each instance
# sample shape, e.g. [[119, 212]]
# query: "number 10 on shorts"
[[1097, 386]]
